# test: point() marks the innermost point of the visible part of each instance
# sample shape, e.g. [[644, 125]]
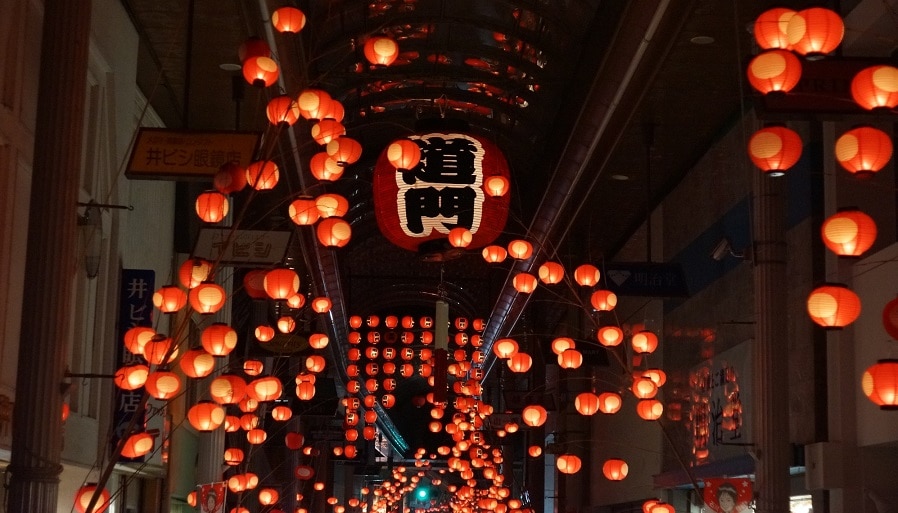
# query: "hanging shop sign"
[[164, 154], [444, 191]]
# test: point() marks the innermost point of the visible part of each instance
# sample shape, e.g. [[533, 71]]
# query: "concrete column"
[[51, 258], [770, 366]]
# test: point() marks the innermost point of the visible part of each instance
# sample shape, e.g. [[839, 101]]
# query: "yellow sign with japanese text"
[[163, 154]]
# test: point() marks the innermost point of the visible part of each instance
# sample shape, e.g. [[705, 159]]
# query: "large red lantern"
[[288, 19], [303, 211], [880, 384], [586, 403], [771, 29], [863, 150], [876, 87], [86, 493], [568, 464], [260, 71], [426, 202], [849, 232], [381, 50], [833, 306], [610, 402], [327, 130], [169, 298], [615, 469], [227, 389], [163, 384], [603, 300], [313, 103], [587, 275], [344, 150], [212, 206], [131, 377], [649, 409], [219, 339], [197, 363], [262, 175], [774, 149], [815, 31], [774, 71], [551, 273], [207, 298], [610, 336], [282, 109], [281, 283], [194, 271], [334, 232], [206, 416]]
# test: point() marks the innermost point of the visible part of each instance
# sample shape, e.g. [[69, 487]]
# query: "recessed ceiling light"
[[230, 66], [620, 178], [702, 40]]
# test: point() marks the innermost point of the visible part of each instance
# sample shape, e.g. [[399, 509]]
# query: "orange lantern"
[[331, 205], [615, 469], [496, 185], [303, 211], [229, 178], [551, 273], [313, 103], [306, 390], [260, 71], [494, 254], [610, 402], [253, 367], [644, 342], [774, 149], [197, 363], [262, 175], [288, 19], [534, 415], [525, 283], [863, 150], [227, 389], [321, 305], [534, 451], [193, 272], [206, 416], [520, 362], [658, 376], [505, 348], [520, 249], [610, 336], [294, 440], [880, 384], [281, 283], [404, 154], [890, 318], [286, 324], [163, 384], [586, 403], [281, 413], [267, 388], [264, 333], [815, 31], [268, 496], [460, 237], [318, 340], [774, 71], [603, 300], [644, 388], [344, 150], [570, 359], [137, 337], [381, 50], [325, 168], [568, 464], [561, 344], [587, 275], [256, 436], [219, 339], [771, 30], [849, 232], [648, 505], [334, 232], [137, 445], [833, 306], [662, 507], [315, 363], [158, 350], [84, 496], [131, 377], [327, 130], [212, 206], [282, 109], [207, 298], [876, 87], [254, 284], [649, 409]]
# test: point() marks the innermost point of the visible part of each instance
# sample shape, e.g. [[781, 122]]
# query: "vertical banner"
[[728, 495], [135, 309], [211, 497]]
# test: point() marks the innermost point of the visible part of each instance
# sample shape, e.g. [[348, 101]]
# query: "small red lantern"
[[833, 306], [306, 390], [381, 50], [568, 464], [303, 211], [288, 19], [193, 272], [880, 384], [253, 367], [863, 150], [570, 359], [562, 344], [131, 377], [644, 388], [603, 300], [494, 254], [334, 232], [233, 456], [849, 232], [771, 30], [610, 402], [268, 496], [227, 389], [505, 348], [86, 493], [534, 415], [256, 436], [615, 469], [815, 31], [163, 384], [313, 103], [212, 206], [460, 237], [649, 409], [281, 283], [774, 71], [197, 363], [169, 299], [586, 403], [207, 298], [318, 340], [774, 149], [520, 249], [325, 168], [260, 71], [587, 275], [610, 336], [644, 342], [282, 109], [327, 130], [229, 178], [262, 175], [331, 205], [206, 416], [219, 339], [264, 333], [876, 87], [315, 363], [525, 283], [551, 273], [137, 337], [520, 362], [496, 185], [890, 318], [534, 451], [403, 154]]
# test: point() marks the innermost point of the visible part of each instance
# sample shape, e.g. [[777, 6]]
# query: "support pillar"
[[51, 258], [770, 365]]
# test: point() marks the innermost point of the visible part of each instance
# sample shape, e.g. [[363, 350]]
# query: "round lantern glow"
[[587, 275], [525, 283], [206, 416], [615, 469], [534, 415], [334, 232], [849, 232], [562, 344], [404, 154], [774, 71], [282, 109], [163, 384], [321, 305], [212, 206], [281, 283], [644, 342], [267, 388], [262, 175], [876, 87], [774, 149], [158, 350], [610, 336], [649, 409], [662, 507], [327, 130], [193, 272], [86, 493], [568, 464], [260, 71], [815, 31], [771, 29], [131, 377], [496, 185], [494, 254], [505, 348], [344, 150], [644, 388], [288, 19], [551, 273], [381, 50], [325, 168], [570, 359], [833, 306], [304, 211], [314, 103], [227, 389], [197, 363], [863, 150], [137, 337], [535, 451], [586, 403], [207, 298], [219, 339], [603, 300], [169, 299], [520, 249], [890, 318], [610, 402], [520, 362], [331, 205], [880, 384]]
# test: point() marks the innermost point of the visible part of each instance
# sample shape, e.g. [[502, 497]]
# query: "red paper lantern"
[[520, 249], [137, 337], [586, 403], [267, 388], [610, 336], [774, 149], [587, 275], [331, 205], [262, 175], [570, 359], [525, 283], [324, 168], [890, 318], [219, 339], [864, 150], [212, 206], [876, 87], [849, 232], [327, 130], [334, 232], [207, 298], [460, 237], [206, 416], [551, 273], [158, 350], [163, 384], [264, 333], [227, 389], [86, 493], [568, 464], [344, 150], [494, 254], [505, 348], [610, 402], [314, 103], [131, 377], [403, 154], [649, 409], [520, 362], [282, 109], [411, 210], [534, 415], [644, 342], [774, 71], [833, 306], [615, 469], [294, 440], [260, 71], [496, 185], [197, 363], [303, 211], [229, 178], [233, 456], [288, 19], [771, 30], [193, 272], [815, 31], [281, 283], [603, 300], [880, 384], [381, 50], [662, 507], [169, 299]]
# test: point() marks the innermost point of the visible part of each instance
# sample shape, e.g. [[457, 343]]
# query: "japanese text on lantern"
[[444, 191]]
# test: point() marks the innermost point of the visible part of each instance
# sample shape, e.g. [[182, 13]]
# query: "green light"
[[421, 493]]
